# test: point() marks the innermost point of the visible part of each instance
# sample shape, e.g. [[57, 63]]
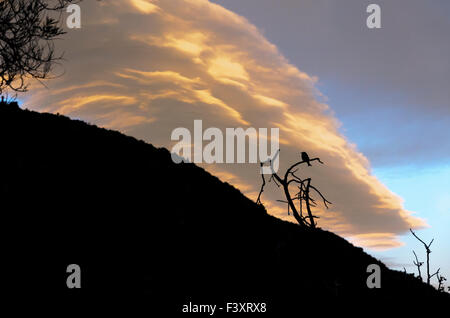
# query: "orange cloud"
[[145, 6], [166, 63], [376, 241]]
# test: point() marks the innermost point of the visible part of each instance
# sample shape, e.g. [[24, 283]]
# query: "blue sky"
[[423, 184], [390, 90], [425, 191]]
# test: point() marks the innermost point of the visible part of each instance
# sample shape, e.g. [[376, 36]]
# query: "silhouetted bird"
[[305, 158]]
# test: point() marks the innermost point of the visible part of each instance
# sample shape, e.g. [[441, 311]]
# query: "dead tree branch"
[[418, 264], [427, 249], [303, 196], [258, 201]]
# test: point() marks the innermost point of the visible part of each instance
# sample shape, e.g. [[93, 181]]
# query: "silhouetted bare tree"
[[304, 194], [418, 264], [440, 278], [27, 31]]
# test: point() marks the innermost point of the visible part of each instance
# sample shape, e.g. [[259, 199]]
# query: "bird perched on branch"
[[305, 158]]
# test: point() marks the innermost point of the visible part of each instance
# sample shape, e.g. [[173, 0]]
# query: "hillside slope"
[[138, 224]]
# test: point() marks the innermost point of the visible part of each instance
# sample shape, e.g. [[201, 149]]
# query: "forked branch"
[[303, 196], [427, 249], [418, 264]]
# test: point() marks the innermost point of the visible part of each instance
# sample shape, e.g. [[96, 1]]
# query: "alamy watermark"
[[190, 147], [374, 19], [74, 279], [73, 21], [374, 279]]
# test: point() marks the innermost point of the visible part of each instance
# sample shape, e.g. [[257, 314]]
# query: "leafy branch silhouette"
[[27, 32]]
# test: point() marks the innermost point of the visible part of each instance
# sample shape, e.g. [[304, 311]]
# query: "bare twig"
[[258, 201], [441, 280], [418, 264], [436, 273], [427, 248]]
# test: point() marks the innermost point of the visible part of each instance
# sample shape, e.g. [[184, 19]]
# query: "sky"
[[388, 87], [373, 104]]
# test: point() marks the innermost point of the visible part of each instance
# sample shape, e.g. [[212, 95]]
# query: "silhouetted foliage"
[[8, 102], [303, 196], [27, 32]]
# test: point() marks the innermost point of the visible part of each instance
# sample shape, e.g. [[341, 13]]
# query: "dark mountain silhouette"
[[144, 228]]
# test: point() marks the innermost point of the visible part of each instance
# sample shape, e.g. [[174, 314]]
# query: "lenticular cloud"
[[148, 67]]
